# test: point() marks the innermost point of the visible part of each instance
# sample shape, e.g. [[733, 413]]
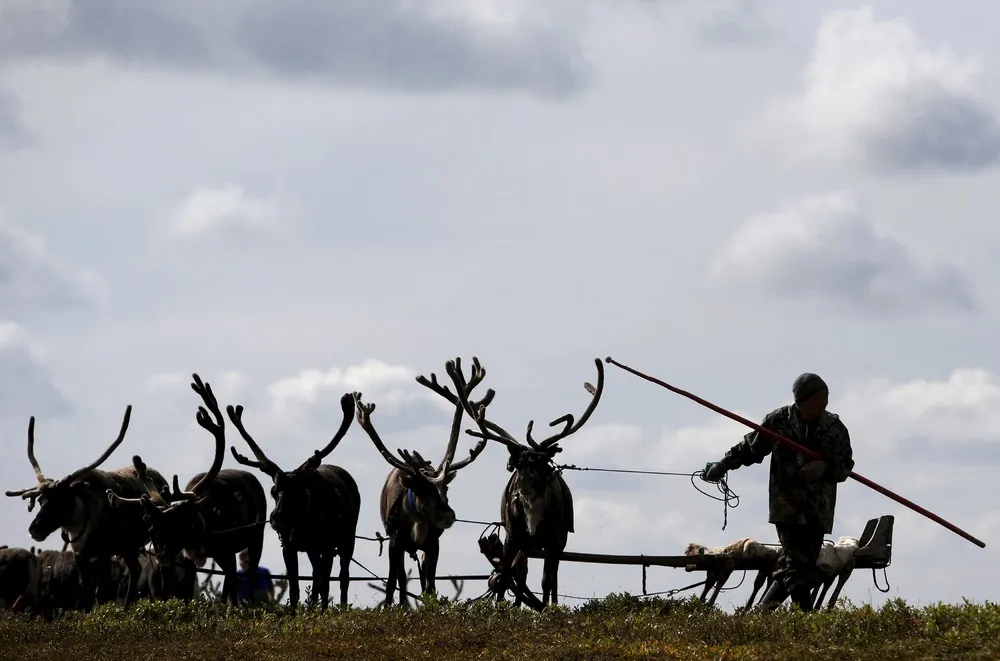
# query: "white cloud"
[[387, 386], [230, 211], [874, 95], [28, 387], [611, 445], [825, 246], [31, 275], [964, 407], [689, 448]]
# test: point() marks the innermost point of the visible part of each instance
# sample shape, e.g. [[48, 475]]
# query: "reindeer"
[[316, 509], [536, 507], [18, 579], [414, 500], [162, 580], [217, 515], [77, 506]]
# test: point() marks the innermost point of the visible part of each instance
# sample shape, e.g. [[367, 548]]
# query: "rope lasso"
[[729, 498]]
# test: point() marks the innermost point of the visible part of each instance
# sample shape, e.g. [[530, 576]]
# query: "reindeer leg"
[[346, 552], [230, 580], [550, 569], [316, 562], [134, 572], [429, 566], [89, 569], [395, 570], [511, 575], [326, 565], [291, 558]]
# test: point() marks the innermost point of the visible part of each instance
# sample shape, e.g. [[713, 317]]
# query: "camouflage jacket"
[[792, 499]]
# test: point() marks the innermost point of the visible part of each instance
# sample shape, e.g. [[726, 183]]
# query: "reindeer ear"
[[450, 476]]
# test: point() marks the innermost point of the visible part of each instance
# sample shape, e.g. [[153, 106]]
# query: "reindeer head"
[[176, 518], [62, 501], [533, 462], [426, 485], [290, 489]]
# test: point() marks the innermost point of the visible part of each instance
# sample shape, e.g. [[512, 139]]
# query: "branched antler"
[[460, 400], [491, 431], [32, 493]]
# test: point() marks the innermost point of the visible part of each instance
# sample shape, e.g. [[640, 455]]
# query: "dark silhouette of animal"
[[18, 579], [536, 507], [414, 500], [174, 578], [59, 585], [316, 509], [218, 514], [77, 505]]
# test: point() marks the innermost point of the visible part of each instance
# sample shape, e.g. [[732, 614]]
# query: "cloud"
[[390, 387], [415, 47], [27, 387], [826, 246], [230, 211], [736, 22], [31, 275], [13, 133], [875, 96], [928, 418]]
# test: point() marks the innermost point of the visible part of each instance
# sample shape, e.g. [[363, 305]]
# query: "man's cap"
[[806, 385]]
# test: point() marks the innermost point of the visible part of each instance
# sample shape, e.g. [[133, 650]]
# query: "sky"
[[297, 202]]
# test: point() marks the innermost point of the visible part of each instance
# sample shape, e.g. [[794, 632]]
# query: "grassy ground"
[[619, 627]]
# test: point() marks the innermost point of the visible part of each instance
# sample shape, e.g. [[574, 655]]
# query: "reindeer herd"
[[131, 521]]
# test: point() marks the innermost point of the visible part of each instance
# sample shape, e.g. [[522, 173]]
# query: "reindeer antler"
[[409, 464], [347, 406], [460, 400], [567, 420], [215, 427], [107, 453], [33, 492], [151, 488], [263, 463]]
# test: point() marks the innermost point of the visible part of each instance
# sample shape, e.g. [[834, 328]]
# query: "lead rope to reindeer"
[[728, 497]]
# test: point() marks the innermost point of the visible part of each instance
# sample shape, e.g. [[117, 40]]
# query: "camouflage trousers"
[[796, 566]]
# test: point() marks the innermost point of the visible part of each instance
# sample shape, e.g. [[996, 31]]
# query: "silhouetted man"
[[802, 491]]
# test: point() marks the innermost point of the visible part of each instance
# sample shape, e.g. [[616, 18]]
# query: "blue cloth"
[[263, 583]]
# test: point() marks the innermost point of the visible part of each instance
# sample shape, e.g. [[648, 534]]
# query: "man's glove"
[[814, 470], [714, 471]]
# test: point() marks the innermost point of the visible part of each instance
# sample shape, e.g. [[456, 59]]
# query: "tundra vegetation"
[[617, 627]]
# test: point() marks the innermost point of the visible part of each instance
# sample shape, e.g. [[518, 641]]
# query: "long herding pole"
[[804, 450]]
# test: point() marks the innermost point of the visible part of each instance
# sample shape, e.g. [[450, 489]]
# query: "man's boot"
[[774, 596], [803, 597]]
